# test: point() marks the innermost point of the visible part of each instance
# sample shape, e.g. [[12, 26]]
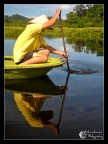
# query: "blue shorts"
[[27, 56]]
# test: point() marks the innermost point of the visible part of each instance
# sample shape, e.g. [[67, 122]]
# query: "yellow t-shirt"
[[30, 40]]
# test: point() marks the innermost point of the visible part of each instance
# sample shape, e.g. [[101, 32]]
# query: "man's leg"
[[38, 57]]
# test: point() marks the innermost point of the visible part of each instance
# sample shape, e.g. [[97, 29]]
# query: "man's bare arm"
[[54, 51], [52, 21]]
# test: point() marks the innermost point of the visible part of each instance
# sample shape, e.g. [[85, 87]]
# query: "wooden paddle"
[[64, 42]]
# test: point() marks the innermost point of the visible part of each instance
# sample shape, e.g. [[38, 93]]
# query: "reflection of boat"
[[27, 94], [42, 85], [13, 71], [30, 95]]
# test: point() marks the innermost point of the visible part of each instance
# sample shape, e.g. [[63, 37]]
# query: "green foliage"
[[90, 15], [90, 33], [16, 20], [13, 31], [86, 33], [80, 10]]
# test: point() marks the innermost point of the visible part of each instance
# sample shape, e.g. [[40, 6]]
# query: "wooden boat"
[[13, 71], [41, 85]]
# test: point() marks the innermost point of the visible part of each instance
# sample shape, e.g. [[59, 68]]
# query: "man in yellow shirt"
[[28, 47]]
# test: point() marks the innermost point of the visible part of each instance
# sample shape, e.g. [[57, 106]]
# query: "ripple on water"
[[80, 68]]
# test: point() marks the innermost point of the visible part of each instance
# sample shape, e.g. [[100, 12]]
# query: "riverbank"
[[88, 33]]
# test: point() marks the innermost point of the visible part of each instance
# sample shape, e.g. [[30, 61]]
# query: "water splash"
[[80, 69]]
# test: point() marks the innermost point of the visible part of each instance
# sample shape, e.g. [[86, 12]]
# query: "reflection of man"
[[31, 110]]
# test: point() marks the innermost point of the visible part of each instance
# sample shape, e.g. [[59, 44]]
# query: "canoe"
[[13, 71], [41, 85]]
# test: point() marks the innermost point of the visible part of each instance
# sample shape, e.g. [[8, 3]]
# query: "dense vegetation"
[[82, 16], [89, 16]]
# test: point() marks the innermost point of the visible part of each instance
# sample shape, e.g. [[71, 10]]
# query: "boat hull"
[[13, 71]]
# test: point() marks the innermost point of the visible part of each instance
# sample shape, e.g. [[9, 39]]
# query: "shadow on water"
[[30, 95]]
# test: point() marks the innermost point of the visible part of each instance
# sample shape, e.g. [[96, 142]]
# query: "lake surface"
[[76, 114]]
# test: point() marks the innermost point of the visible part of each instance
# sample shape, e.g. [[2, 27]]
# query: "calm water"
[[80, 109]]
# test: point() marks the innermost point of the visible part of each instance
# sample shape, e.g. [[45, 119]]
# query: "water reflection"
[[88, 46], [30, 96], [30, 107], [63, 100], [42, 85]]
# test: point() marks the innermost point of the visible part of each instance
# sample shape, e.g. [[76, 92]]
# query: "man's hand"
[[58, 11], [64, 55]]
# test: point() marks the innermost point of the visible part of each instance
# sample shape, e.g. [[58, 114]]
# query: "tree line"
[[89, 15]]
